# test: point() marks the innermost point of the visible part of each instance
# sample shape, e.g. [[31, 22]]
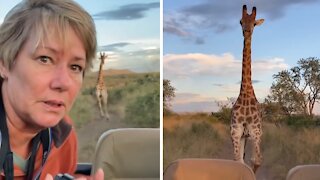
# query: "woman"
[[45, 48]]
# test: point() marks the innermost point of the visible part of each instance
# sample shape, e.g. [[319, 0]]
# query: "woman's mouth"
[[54, 104]]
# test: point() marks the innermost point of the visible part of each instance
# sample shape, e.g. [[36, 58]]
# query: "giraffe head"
[[249, 21], [103, 56]]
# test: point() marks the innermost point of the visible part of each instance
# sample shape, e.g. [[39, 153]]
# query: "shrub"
[[223, 115], [144, 111], [115, 96], [300, 121], [82, 111]]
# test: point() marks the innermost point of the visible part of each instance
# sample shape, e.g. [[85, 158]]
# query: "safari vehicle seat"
[[303, 172], [129, 153], [208, 169]]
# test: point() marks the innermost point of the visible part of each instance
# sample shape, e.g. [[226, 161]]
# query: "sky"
[[127, 30], [203, 45]]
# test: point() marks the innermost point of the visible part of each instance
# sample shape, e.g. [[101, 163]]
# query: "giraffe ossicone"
[[246, 120]]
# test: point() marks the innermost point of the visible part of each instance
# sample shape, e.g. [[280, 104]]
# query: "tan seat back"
[[304, 172], [208, 169], [132, 153]]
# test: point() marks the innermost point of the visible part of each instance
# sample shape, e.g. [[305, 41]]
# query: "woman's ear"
[[3, 70]]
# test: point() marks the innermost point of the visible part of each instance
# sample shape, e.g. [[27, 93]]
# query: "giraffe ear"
[[258, 22]]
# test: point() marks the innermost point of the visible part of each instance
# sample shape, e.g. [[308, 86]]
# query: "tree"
[[297, 90], [225, 109], [168, 94]]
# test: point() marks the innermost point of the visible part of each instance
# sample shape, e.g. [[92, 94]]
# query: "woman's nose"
[[61, 79]]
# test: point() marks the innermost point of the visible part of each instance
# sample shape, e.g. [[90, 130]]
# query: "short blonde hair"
[[36, 17]]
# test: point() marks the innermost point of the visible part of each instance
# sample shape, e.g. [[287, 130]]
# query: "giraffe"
[[246, 117], [101, 90]]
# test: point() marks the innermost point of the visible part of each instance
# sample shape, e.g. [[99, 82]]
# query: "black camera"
[[65, 176]]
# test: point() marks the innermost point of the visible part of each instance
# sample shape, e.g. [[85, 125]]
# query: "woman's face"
[[42, 85]]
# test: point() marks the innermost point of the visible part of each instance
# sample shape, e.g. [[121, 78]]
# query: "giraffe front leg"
[[101, 109], [236, 134], [99, 96], [107, 116], [242, 146], [104, 106], [257, 155]]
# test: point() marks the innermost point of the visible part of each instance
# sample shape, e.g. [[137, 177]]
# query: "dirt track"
[[89, 134], [227, 153]]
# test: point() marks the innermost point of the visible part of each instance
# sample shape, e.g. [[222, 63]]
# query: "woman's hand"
[[98, 176]]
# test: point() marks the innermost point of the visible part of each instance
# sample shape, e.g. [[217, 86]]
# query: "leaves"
[[168, 94], [296, 90]]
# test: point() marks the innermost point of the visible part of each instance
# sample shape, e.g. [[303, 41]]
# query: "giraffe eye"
[[241, 22]]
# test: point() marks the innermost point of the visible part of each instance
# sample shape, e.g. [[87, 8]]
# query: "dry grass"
[[191, 136], [283, 148]]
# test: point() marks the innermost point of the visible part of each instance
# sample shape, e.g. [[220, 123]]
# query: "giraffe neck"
[[246, 82], [100, 77]]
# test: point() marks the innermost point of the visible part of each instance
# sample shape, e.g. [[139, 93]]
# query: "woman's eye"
[[76, 68], [44, 59]]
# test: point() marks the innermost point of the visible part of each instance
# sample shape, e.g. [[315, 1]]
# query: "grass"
[[125, 92], [200, 140], [198, 135], [133, 101], [286, 147], [191, 136]]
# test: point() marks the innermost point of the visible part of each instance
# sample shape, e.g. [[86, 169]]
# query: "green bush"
[[89, 91], [82, 111], [115, 96], [223, 115], [204, 129], [144, 111], [301, 121]]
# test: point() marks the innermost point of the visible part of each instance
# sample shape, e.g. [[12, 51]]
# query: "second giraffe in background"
[[101, 90], [246, 117]]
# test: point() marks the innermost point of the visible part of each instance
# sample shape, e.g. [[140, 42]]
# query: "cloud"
[[113, 47], [225, 65], [217, 84], [127, 12], [199, 40], [182, 98], [192, 102], [142, 60], [172, 25], [188, 102], [146, 60], [222, 16], [253, 82]]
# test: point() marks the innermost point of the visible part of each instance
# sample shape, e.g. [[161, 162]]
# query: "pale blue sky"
[[203, 45], [128, 30]]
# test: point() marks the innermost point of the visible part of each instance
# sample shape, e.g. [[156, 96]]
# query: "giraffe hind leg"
[[243, 141], [99, 98], [104, 109], [256, 151], [100, 108], [103, 98], [236, 134]]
